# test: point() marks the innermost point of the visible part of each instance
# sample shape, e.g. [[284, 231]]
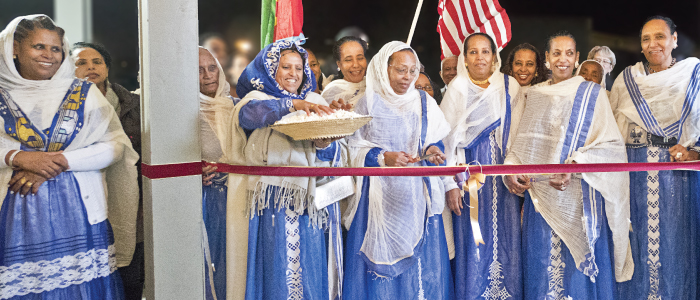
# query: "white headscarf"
[[40, 99], [602, 81], [397, 205], [217, 112], [470, 109]]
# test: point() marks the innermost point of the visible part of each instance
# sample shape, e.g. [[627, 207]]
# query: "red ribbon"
[[194, 168]]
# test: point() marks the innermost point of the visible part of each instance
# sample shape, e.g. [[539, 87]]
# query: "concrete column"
[[170, 112], [75, 17]]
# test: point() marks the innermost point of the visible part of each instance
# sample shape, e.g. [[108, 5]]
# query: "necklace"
[[652, 71], [477, 82]]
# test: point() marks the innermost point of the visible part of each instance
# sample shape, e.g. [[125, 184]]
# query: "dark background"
[[612, 23]]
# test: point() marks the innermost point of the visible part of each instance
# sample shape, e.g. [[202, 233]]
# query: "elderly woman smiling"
[[395, 226], [658, 113], [286, 241]]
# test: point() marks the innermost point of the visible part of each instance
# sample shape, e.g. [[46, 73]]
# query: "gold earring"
[[14, 56], [535, 74]]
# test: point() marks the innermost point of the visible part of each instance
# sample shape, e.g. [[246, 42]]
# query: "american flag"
[[460, 18]]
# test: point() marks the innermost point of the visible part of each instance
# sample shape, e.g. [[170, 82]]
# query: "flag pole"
[[415, 20]]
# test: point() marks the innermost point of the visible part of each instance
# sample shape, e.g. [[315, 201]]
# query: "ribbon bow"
[[472, 183]]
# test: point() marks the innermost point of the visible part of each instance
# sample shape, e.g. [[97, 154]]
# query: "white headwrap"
[[40, 99], [540, 137], [397, 205], [665, 93], [602, 81], [216, 113], [470, 109], [350, 92]]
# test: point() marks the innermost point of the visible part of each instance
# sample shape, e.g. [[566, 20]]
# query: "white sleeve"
[[94, 157]]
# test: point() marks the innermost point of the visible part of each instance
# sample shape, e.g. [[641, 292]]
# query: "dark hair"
[[339, 43], [540, 70], [97, 47], [493, 44], [41, 22], [210, 35], [402, 50], [294, 49], [556, 35], [436, 89], [669, 23], [319, 82]]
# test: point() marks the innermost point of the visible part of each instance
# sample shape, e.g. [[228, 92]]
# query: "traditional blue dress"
[[425, 275], [491, 270], [665, 233], [48, 248], [287, 246], [214, 200], [550, 270]]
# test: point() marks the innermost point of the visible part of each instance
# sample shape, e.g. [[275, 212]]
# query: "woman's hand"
[[323, 143], [517, 184], [309, 107], [439, 157], [208, 173], [454, 201], [25, 182], [560, 181], [680, 153], [398, 159], [340, 104], [46, 164]]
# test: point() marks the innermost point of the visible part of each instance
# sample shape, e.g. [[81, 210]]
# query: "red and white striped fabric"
[[460, 18]]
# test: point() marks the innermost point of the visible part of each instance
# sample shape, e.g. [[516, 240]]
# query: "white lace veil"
[[398, 206]]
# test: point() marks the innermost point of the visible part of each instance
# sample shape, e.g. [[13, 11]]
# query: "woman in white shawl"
[[215, 112], [658, 112], [349, 53], [478, 107], [395, 228], [61, 140], [570, 220], [286, 241]]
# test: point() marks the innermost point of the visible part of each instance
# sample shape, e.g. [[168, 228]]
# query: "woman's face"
[[353, 63], [604, 61], [657, 42], [90, 64], [562, 56], [479, 57], [208, 74], [40, 54], [314, 65], [402, 70], [524, 66], [290, 71], [423, 83], [592, 71]]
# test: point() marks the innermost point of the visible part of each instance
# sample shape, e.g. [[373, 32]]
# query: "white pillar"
[[75, 17], [170, 114]]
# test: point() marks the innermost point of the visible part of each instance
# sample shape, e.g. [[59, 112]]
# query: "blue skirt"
[[492, 270], [429, 278], [664, 214], [214, 213], [49, 250], [286, 256], [549, 270]]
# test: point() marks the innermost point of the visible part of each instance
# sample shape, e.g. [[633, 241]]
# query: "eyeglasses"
[[403, 70], [426, 88], [603, 61]]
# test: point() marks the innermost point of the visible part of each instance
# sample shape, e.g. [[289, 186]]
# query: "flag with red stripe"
[[460, 18]]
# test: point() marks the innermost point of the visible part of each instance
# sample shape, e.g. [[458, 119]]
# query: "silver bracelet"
[[12, 159]]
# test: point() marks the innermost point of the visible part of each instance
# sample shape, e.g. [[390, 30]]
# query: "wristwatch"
[[380, 158]]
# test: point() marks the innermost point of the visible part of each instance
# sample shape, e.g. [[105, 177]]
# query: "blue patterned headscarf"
[[260, 73]]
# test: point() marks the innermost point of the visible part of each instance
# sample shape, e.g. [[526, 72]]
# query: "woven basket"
[[322, 129]]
